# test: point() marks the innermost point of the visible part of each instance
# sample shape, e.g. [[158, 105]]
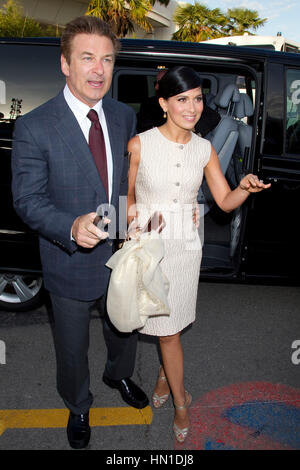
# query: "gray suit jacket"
[[55, 180]]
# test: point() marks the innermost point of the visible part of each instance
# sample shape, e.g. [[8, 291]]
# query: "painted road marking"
[[58, 418], [249, 416]]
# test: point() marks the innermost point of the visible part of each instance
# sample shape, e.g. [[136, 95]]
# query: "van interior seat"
[[210, 98], [225, 100], [223, 138], [244, 109]]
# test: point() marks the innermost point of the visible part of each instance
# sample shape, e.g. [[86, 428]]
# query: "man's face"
[[89, 73]]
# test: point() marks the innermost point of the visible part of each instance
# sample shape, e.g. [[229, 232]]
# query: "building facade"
[[60, 12]]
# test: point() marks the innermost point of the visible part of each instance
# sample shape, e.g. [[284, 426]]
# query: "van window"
[[206, 86], [134, 88], [29, 76], [292, 142]]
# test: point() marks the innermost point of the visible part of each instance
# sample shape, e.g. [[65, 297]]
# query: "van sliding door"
[[273, 228]]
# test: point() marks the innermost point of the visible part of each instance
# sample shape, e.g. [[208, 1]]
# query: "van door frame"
[[253, 69]]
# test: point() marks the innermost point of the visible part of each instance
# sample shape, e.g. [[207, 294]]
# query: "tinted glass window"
[[270, 47], [292, 111], [289, 48], [206, 86], [135, 88], [29, 76]]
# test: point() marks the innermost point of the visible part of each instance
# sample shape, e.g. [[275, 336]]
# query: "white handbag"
[[138, 288]]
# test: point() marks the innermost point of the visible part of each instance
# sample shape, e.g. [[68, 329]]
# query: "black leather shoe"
[[78, 430], [130, 392]]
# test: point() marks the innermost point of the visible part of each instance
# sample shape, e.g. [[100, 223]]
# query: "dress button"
[[178, 165], [180, 146], [175, 200], [177, 184]]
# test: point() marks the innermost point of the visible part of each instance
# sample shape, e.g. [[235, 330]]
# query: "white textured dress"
[[168, 180]]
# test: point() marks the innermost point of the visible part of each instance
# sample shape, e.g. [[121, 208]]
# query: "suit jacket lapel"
[[116, 144], [68, 128]]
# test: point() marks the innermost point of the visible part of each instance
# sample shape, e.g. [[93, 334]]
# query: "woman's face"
[[185, 109]]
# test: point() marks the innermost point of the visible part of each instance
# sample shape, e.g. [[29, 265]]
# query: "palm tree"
[[197, 22], [240, 20], [123, 15], [13, 23]]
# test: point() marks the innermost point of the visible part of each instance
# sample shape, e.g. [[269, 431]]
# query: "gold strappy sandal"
[[159, 401], [181, 434]]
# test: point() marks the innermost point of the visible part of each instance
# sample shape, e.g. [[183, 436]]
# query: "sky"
[[282, 15]]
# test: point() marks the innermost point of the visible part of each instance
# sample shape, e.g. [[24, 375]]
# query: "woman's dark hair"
[[178, 80]]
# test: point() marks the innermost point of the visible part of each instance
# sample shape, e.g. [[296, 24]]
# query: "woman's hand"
[[252, 184], [134, 230], [196, 216], [227, 199]]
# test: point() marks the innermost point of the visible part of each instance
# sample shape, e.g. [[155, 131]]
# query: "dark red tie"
[[97, 147]]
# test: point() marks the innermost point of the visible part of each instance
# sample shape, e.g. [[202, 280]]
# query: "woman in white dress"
[[166, 170]]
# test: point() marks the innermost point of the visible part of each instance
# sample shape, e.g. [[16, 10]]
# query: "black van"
[[257, 94]]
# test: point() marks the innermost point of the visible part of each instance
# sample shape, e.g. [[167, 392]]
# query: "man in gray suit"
[[57, 189]]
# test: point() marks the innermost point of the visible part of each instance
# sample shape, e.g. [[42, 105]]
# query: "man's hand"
[[85, 233]]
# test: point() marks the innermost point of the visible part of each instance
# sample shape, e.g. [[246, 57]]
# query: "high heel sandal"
[[157, 400], [181, 434]]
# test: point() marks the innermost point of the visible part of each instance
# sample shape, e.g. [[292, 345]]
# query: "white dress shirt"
[[80, 111]]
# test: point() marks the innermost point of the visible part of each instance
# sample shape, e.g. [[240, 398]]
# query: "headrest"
[[230, 93], [244, 107]]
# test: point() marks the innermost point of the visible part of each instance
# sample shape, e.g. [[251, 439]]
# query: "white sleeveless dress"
[[168, 180]]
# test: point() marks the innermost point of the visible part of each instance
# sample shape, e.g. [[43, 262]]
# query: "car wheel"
[[19, 292]]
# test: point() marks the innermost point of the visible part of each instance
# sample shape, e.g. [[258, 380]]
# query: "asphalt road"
[[242, 362]]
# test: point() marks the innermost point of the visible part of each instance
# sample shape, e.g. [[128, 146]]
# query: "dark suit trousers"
[[71, 338]]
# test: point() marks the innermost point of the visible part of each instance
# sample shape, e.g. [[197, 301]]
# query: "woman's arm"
[[226, 199], [134, 150]]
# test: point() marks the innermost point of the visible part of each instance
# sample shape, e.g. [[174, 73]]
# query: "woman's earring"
[[165, 115]]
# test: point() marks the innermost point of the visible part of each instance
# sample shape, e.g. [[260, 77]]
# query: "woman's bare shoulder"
[[134, 145]]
